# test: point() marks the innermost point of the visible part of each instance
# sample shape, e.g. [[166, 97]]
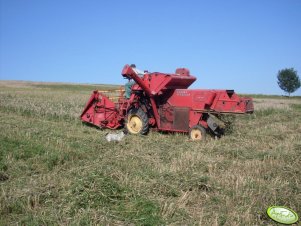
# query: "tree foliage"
[[288, 80]]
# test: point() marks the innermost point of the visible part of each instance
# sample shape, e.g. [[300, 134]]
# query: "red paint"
[[165, 97]]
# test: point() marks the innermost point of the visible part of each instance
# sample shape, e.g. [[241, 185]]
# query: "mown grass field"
[[56, 171]]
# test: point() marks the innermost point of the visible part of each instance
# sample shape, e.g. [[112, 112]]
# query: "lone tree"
[[288, 80]]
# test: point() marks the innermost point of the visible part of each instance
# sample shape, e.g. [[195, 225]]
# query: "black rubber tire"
[[197, 133], [142, 116]]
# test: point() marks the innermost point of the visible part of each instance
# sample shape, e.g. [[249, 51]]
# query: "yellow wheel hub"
[[196, 134], [134, 124]]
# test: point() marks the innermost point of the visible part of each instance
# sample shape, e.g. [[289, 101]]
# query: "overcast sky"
[[231, 44]]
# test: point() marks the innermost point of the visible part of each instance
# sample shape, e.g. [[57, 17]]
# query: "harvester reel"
[[197, 132], [136, 122]]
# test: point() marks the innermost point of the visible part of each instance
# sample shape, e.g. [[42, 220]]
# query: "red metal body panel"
[[168, 102], [210, 100], [101, 111]]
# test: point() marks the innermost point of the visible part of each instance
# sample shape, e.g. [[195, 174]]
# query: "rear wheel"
[[197, 133], [136, 122]]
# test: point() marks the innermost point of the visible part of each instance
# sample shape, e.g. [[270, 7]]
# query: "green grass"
[[55, 170], [75, 87], [272, 96]]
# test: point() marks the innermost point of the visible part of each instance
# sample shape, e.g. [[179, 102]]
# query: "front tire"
[[136, 122], [197, 133]]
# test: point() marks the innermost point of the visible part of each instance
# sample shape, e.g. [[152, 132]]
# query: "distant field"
[[56, 171]]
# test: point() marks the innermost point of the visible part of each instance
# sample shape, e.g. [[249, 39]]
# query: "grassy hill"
[[55, 170]]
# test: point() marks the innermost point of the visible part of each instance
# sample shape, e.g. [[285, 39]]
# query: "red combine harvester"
[[162, 101]]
